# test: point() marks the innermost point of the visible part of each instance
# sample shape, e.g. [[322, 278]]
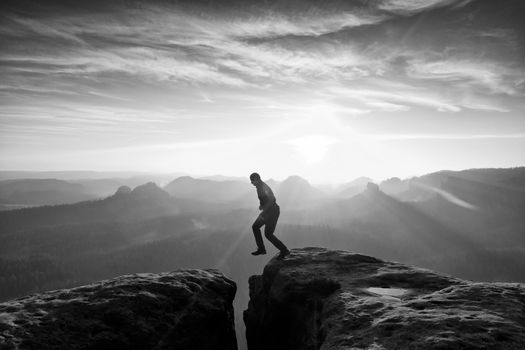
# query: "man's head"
[[255, 179]]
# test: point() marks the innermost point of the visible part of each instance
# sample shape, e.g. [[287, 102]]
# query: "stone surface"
[[184, 309], [322, 299]]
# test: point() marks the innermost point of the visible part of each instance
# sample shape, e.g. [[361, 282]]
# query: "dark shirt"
[[266, 196]]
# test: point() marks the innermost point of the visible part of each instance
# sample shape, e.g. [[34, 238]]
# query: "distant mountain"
[[14, 206], [292, 193], [101, 188], [225, 178], [207, 190], [487, 210], [394, 186], [360, 181], [41, 192], [145, 201], [65, 175], [382, 225], [107, 186], [428, 186], [353, 187], [296, 192]]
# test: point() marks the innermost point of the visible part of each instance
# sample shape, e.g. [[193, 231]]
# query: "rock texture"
[[321, 299], [185, 309]]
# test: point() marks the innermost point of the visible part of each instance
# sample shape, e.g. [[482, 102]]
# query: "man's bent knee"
[[257, 225], [268, 234]]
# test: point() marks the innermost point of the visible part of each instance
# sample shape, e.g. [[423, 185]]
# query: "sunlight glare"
[[312, 148]]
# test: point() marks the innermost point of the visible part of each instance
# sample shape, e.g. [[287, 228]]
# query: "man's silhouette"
[[268, 217]]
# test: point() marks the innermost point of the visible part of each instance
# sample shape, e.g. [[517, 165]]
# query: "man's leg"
[[256, 228], [269, 228]]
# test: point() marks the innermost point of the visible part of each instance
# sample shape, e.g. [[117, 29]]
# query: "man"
[[268, 218]]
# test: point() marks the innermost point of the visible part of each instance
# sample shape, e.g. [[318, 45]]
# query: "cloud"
[[159, 65], [387, 106], [271, 25], [171, 43], [414, 6], [385, 95], [492, 77], [99, 70], [41, 28], [401, 137]]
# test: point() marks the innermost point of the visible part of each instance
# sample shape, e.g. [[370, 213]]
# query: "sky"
[[328, 90]]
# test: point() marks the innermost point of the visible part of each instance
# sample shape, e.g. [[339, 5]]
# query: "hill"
[[41, 192], [143, 202], [207, 190]]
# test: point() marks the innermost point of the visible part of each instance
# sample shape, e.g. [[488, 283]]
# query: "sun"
[[312, 148]]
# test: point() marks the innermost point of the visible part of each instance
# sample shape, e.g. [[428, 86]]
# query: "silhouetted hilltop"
[[41, 191], [184, 309], [149, 190], [104, 187], [207, 190], [296, 192], [317, 298], [457, 183], [394, 185], [353, 187], [144, 201], [122, 190], [437, 234]]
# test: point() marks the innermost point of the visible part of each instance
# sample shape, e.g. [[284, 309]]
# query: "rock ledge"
[[322, 299], [184, 309]]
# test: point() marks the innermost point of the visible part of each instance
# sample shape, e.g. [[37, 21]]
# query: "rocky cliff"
[[185, 309], [322, 299]]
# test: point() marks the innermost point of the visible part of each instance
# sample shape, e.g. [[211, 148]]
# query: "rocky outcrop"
[[123, 190], [185, 309], [321, 299]]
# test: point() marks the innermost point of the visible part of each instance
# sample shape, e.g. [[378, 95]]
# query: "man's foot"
[[259, 252], [282, 254]]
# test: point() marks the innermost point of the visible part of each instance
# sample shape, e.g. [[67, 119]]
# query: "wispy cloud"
[[490, 76], [314, 24], [386, 96], [414, 6], [394, 137]]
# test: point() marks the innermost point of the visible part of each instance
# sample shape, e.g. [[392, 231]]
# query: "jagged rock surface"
[[321, 299], [185, 309]]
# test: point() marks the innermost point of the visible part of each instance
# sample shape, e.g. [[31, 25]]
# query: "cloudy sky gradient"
[[329, 90]]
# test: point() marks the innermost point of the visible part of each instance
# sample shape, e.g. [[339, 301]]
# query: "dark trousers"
[[269, 220]]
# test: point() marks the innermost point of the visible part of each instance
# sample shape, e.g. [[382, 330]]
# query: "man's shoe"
[[282, 254], [259, 252]]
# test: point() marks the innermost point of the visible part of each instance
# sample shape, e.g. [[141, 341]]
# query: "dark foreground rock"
[[321, 299], [185, 309]]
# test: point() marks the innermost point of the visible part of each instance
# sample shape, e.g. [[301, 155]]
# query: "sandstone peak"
[[324, 299], [123, 190], [184, 309]]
